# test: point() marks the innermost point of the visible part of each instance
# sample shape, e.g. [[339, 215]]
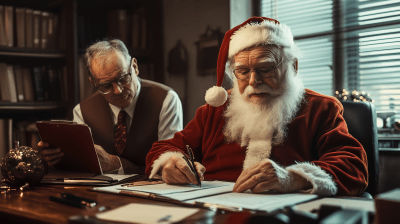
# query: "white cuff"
[[159, 163], [121, 169], [322, 182]]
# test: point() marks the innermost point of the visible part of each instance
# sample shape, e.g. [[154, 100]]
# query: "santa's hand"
[[267, 175], [108, 162], [51, 155], [177, 171]]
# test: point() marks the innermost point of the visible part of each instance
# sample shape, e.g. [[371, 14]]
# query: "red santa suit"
[[317, 146], [317, 134]]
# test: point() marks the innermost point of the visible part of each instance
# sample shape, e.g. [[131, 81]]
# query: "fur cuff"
[[323, 185], [159, 163]]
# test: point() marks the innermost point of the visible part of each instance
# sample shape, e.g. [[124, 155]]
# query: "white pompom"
[[216, 96]]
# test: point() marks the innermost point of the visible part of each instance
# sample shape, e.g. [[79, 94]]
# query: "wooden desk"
[[33, 205]]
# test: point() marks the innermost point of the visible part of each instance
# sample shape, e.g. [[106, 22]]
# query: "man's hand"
[[267, 175], [177, 171], [51, 155], [108, 162]]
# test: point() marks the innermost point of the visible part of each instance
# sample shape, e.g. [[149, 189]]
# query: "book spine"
[[3, 39], [19, 81], [28, 85], [29, 28], [20, 17], [38, 83], [36, 28], [9, 25], [54, 86], [44, 30]]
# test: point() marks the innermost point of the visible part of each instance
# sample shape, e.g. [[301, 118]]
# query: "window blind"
[[369, 35], [312, 19]]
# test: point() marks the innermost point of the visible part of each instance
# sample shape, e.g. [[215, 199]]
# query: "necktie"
[[120, 134]]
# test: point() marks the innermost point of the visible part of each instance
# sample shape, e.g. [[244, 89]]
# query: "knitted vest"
[[143, 132]]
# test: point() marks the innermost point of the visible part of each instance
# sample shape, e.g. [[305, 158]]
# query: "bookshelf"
[[76, 25]]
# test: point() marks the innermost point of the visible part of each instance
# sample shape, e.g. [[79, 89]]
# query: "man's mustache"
[[261, 88]]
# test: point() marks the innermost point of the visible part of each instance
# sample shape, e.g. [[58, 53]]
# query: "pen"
[[191, 164], [84, 201], [67, 202]]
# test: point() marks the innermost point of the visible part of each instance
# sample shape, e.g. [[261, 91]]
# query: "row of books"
[[28, 84], [132, 29], [28, 28]]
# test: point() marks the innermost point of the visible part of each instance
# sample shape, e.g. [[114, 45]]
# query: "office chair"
[[361, 122]]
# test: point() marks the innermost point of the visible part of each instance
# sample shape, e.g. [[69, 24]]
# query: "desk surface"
[[33, 205]]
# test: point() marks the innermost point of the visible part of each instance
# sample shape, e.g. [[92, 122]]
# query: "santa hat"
[[254, 31]]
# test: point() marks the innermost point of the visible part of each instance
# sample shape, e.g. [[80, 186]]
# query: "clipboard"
[[75, 140]]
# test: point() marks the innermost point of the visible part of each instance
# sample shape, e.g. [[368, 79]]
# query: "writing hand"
[[267, 175], [176, 171], [51, 155]]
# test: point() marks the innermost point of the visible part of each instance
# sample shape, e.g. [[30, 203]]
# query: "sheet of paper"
[[164, 189], [264, 202], [142, 213], [184, 196], [357, 204]]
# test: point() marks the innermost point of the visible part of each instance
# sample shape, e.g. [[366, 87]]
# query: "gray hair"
[[101, 49]]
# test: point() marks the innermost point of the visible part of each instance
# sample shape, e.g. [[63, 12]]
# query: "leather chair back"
[[361, 122]]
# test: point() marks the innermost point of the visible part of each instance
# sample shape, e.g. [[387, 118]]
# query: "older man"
[[127, 114], [272, 133]]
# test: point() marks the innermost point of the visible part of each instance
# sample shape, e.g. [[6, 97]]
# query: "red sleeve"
[[339, 153]]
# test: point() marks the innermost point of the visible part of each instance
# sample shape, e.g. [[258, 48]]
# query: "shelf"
[[31, 106], [31, 53]]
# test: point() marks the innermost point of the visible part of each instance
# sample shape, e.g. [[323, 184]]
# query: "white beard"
[[259, 125]]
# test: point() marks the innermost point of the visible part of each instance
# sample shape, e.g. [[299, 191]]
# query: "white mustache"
[[261, 88]]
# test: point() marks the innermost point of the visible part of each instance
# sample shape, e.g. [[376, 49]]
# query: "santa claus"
[[268, 132]]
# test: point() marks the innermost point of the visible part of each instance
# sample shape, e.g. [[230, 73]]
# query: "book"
[[52, 30], [7, 83], [36, 28], [44, 30], [3, 40], [29, 28], [19, 80], [53, 84], [28, 85], [20, 19], [9, 25], [38, 88], [45, 82]]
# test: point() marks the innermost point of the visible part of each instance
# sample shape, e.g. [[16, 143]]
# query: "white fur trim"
[[257, 150], [253, 34], [159, 163], [322, 182], [216, 96]]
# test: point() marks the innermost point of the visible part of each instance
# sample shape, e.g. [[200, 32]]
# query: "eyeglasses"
[[267, 72], [121, 81]]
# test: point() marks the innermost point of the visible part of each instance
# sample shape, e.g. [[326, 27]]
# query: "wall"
[[186, 20]]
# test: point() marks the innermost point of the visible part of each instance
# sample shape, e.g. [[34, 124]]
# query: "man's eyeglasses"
[[267, 72], [121, 81]]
